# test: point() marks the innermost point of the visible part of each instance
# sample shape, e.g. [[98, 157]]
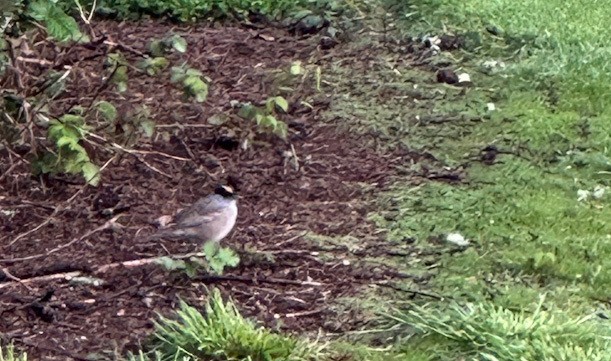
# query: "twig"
[[147, 261], [122, 46], [414, 292], [279, 281], [9, 275], [141, 262], [45, 278], [135, 151], [178, 125]]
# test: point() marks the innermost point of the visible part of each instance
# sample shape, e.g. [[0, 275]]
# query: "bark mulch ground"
[[318, 183]]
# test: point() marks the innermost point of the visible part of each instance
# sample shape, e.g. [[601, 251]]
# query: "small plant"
[[58, 24], [191, 81], [153, 66], [220, 257], [164, 46], [266, 117], [118, 64], [216, 260], [67, 133], [219, 332]]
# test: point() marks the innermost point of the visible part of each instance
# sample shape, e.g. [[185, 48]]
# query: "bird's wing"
[[203, 211]]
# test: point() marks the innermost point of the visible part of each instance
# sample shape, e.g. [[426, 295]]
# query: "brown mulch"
[[320, 182]]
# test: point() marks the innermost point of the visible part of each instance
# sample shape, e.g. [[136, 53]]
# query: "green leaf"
[[148, 126], [73, 119], [91, 172], [120, 74], [177, 74], [282, 103], [121, 87], [56, 130], [281, 130], [217, 265], [210, 249], [191, 269], [194, 72], [156, 48], [228, 256], [179, 43], [65, 140], [247, 111], [270, 121], [218, 119], [171, 264], [259, 118], [108, 111], [296, 68], [58, 24]]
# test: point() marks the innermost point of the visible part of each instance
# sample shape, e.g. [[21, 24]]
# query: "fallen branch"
[[146, 261], [255, 280]]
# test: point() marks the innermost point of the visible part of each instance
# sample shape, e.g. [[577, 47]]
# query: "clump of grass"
[[221, 333], [7, 353], [485, 331]]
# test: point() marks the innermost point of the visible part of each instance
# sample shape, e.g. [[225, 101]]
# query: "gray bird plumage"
[[209, 219]]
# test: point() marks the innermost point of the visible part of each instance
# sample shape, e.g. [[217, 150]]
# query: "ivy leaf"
[[91, 172], [282, 103], [108, 111], [179, 43]]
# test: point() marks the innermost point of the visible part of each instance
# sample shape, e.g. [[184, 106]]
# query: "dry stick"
[[279, 281], [147, 261], [46, 221], [46, 278], [134, 151], [409, 290]]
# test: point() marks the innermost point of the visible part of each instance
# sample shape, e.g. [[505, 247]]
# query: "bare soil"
[[322, 181]]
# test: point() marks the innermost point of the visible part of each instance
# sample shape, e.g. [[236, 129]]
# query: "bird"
[[210, 219]]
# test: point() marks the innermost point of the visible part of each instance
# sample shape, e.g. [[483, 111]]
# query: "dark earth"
[[320, 182]]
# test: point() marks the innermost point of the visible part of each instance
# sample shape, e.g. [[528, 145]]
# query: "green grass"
[[7, 353], [221, 333], [556, 43], [530, 234], [486, 331]]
